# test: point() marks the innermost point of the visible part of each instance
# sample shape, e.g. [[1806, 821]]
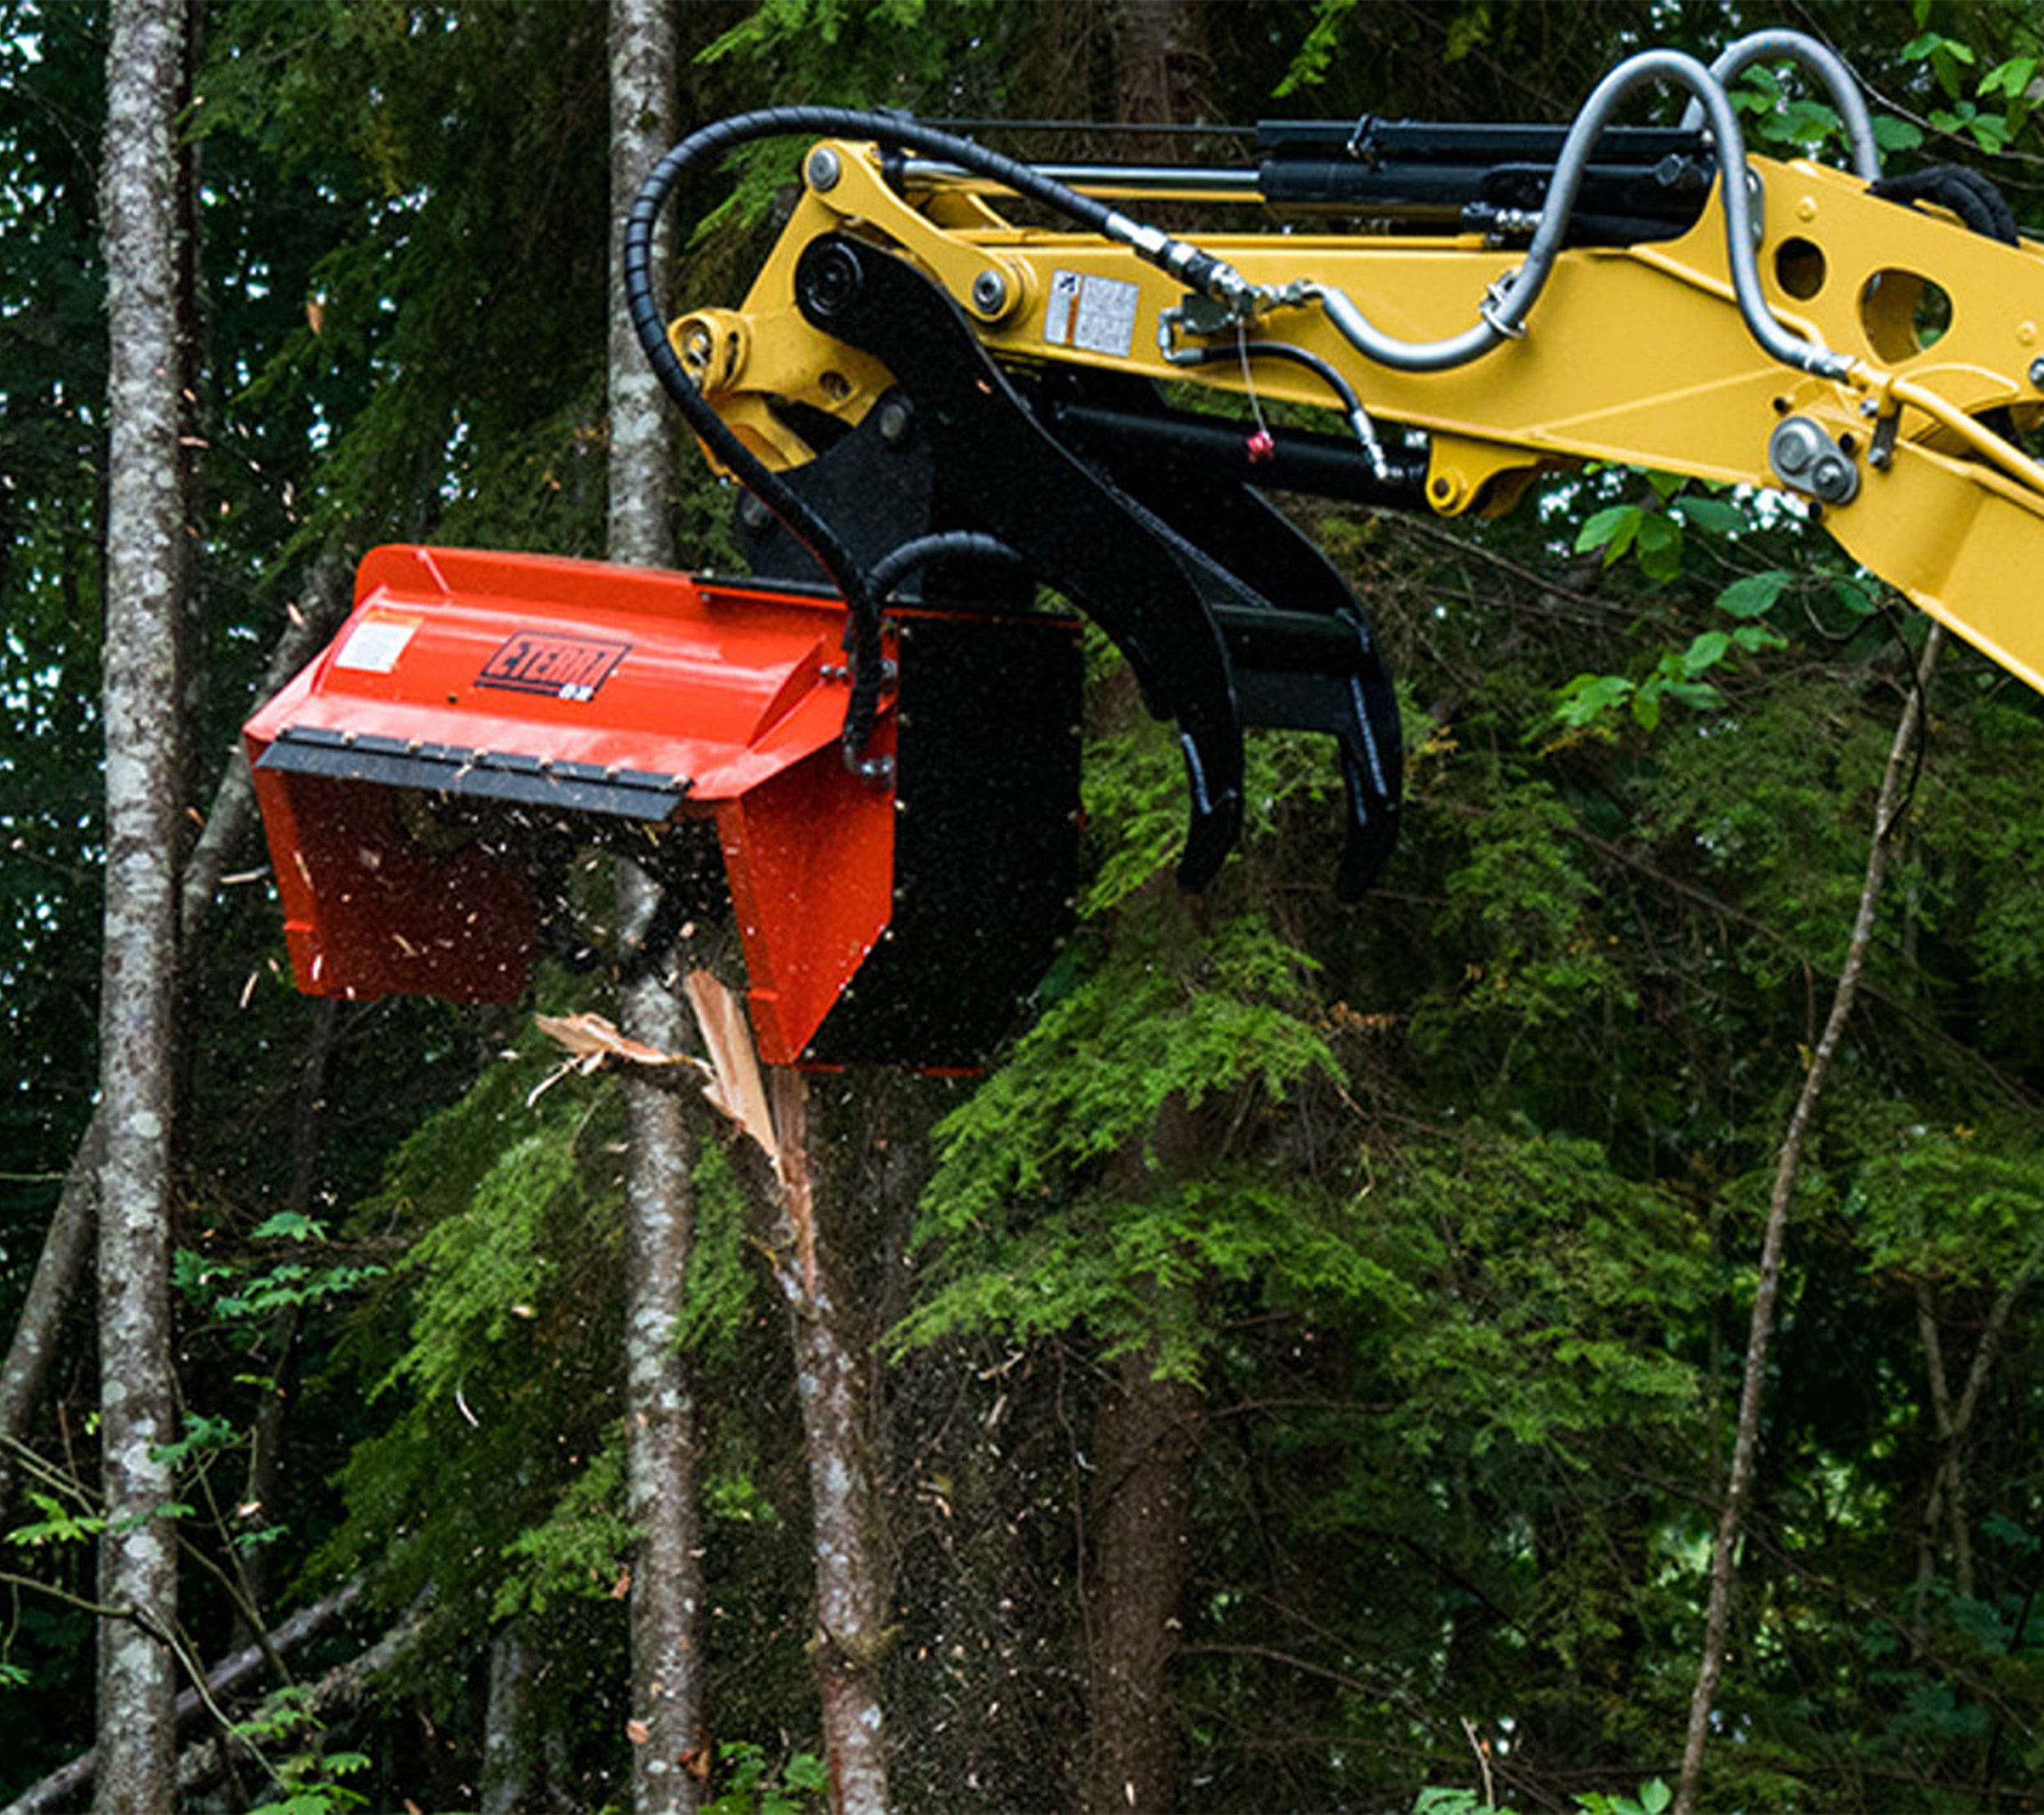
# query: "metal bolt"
[[990, 293], [753, 513], [1832, 479], [894, 421], [823, 168], [2037, 373], [1794, 446]]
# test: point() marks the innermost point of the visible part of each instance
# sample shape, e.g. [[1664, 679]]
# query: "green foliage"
[[1949, 1208], [305, 1778], [1653, 532], [242, 1299], [575, 1550], [1318, 49], [1162, 1017], [755, 1784], [1446, 1204], [1526, 893], [1058, 1187], [371, 118], [1991, 105], [516, 1212], [719, 1298], [59, 1524], [1539, 1287], [846, 53], [1653, 1799]]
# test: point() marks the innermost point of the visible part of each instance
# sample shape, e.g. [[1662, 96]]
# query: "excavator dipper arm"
[[959, 379], [1525, 300]]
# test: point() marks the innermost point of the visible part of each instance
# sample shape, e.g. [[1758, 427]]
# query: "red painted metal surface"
[[577, 688]]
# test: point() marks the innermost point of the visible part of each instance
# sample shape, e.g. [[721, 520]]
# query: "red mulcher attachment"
[[480, 716]]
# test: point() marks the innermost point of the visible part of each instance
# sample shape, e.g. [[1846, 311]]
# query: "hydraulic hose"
[[904, 557], [1359, 422], [1826, 65], [1195, 268], [1502, 316]]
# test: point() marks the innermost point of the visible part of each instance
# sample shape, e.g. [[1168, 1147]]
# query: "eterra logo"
[[564, 668]]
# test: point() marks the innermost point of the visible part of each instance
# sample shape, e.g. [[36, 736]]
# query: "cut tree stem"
[[773, 1109]]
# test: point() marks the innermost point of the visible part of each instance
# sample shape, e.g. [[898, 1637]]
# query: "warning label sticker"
[[1090, 314], [375, 644], [539, 661]]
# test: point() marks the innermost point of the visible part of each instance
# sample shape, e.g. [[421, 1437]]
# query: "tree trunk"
[[37, 1331], [1160, 70], [1147, 1435], [145, 562], [507, 1749], [850, 1557], [63, 1788], [661, 1446], [851, 1591], [660, 1406], [1745, 1450]]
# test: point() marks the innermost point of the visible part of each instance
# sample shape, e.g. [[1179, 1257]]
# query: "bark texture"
[[66, 1243], [851, 1591], [1745, 1449], [145, 566], [643, 57], [65, 1788], [507, 1728], [1160, 68], [1147, 1436], [660, 1415], [849, 1554], [38, 1330]]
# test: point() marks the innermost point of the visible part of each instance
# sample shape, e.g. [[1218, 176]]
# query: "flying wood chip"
[[594, 1042], [734, 1062]]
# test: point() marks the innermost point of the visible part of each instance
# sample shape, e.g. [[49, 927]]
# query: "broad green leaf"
[[1659, 546], [1706, 652], [1714, 516], [1754, 596], [1612, 529], [1588, 697]]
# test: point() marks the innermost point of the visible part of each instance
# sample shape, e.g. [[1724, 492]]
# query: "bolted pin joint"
[[990, 293], [1805, 459]]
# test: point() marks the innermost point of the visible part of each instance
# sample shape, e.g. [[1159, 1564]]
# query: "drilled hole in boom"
[[1799, 268], [1903, 313]]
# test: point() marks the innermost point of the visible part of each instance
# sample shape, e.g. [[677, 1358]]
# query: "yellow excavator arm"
[[1884, 361], [961, 381]]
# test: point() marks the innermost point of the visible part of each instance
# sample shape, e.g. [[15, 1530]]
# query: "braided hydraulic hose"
[[1830, 69], [1502, 316]]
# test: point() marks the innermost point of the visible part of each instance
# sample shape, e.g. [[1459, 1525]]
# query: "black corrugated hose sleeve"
[[899, 561], [801, 521]]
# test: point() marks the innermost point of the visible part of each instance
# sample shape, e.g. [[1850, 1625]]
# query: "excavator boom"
[[959, 380]]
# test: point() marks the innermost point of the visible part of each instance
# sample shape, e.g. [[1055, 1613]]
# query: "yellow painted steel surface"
[[1637, 355]]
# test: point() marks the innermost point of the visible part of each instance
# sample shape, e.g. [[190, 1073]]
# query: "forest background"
[[1350, 1303]]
